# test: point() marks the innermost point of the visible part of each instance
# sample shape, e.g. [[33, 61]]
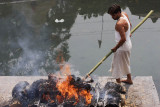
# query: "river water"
[[36, 36]]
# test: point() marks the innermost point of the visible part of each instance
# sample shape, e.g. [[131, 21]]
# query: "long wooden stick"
[[105, 57]]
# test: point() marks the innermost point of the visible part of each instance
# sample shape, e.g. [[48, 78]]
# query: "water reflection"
[[33, 43]]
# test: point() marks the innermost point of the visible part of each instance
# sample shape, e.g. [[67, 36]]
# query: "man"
[[122, 50]]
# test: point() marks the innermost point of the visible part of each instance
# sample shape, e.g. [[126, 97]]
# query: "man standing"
[[122, 50]]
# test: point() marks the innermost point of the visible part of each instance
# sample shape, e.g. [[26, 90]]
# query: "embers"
[[49, 93], [71, 91]]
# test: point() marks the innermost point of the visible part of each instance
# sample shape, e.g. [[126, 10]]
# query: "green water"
[[32, 43]]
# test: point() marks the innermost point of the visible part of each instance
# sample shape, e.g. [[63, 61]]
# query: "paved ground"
[[142, 93]]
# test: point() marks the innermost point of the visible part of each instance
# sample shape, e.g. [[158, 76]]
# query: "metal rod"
[[105, 57]]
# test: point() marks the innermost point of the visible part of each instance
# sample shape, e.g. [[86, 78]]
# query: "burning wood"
[[53, 91], [68, 91]]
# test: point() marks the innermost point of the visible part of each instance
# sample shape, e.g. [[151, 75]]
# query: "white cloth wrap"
[[120, 64]]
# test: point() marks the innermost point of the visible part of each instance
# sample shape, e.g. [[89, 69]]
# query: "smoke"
[[29, 61], [32, 42], [74, 71]]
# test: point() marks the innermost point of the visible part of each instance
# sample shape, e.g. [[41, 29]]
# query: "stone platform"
[[142, 93]]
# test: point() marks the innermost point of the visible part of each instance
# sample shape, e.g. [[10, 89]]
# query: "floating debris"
[[59, 21]]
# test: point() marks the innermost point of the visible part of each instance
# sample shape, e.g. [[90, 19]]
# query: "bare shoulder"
[[120, 24]]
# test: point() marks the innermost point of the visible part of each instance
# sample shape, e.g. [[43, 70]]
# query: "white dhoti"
[[120, 64]]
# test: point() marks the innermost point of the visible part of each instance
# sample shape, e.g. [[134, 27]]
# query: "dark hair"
[[114, 9]]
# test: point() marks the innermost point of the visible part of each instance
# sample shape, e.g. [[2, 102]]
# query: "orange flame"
[[47, 98], [69, 91], [59, 99], [87, 96], [60, 60]]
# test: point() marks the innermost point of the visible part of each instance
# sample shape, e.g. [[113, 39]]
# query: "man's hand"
[[114, 49], [130, 35]]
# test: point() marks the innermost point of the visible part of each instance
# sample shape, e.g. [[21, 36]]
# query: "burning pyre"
[[67, 91]]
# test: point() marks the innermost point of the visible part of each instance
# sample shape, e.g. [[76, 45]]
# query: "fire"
[[65, 89], [59, 99], [87, 95], [60, 60], [69, 91], [48, 98]]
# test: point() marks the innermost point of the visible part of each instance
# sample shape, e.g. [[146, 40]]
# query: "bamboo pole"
[[105, 57]]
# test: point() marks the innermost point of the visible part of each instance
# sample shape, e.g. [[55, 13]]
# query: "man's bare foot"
[[127, 81], [118, 80]]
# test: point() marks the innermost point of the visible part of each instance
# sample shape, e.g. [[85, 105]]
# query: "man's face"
[[115, 16]]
